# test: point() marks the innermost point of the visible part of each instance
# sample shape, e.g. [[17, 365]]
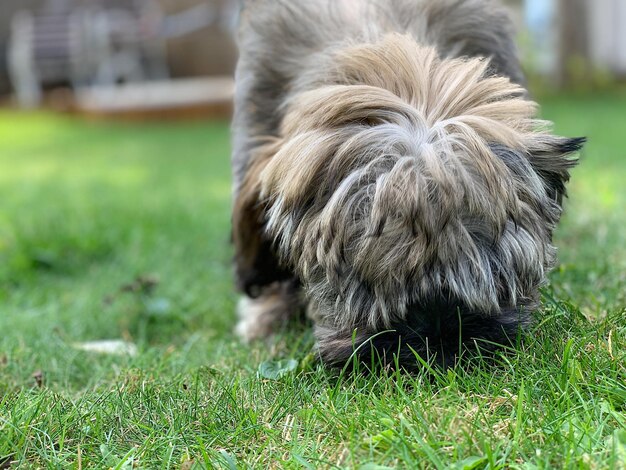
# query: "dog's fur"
[[390, 176]]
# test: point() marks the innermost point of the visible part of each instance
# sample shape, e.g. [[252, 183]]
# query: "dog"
[[391, 177]]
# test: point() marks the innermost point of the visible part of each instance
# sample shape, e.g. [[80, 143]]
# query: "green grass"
[[86, 209]]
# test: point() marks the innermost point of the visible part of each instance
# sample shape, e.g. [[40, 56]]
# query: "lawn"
[[121, 231]]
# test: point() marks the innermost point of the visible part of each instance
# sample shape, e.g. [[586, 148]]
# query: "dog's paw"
[[251, 325], [261, 317]]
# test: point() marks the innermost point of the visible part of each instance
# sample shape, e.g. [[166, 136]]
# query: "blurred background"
[[147, 58], [113, 57]]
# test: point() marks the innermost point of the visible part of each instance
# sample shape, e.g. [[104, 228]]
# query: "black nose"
[[438, 330], [446, 326]]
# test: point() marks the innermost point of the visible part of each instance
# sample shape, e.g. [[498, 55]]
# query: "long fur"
[[408, 187]]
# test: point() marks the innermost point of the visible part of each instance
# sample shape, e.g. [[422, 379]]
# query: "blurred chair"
[[94, 46]]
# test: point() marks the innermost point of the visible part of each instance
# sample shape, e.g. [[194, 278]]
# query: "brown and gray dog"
[[391, 177]]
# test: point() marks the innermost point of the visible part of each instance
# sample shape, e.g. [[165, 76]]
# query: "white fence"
[[608, 34]]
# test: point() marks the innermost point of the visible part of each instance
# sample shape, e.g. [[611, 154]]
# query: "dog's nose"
[[448, 325], [438, 330]]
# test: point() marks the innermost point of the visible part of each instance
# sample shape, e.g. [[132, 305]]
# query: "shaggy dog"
[[391, 177]]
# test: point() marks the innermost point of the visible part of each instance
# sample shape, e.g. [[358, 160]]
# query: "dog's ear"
[[256, 264], [552, 158]]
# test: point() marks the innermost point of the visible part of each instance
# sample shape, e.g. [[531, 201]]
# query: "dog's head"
[[402, 178]]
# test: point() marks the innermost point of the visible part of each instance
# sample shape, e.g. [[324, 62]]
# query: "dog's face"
[[405, 181]]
